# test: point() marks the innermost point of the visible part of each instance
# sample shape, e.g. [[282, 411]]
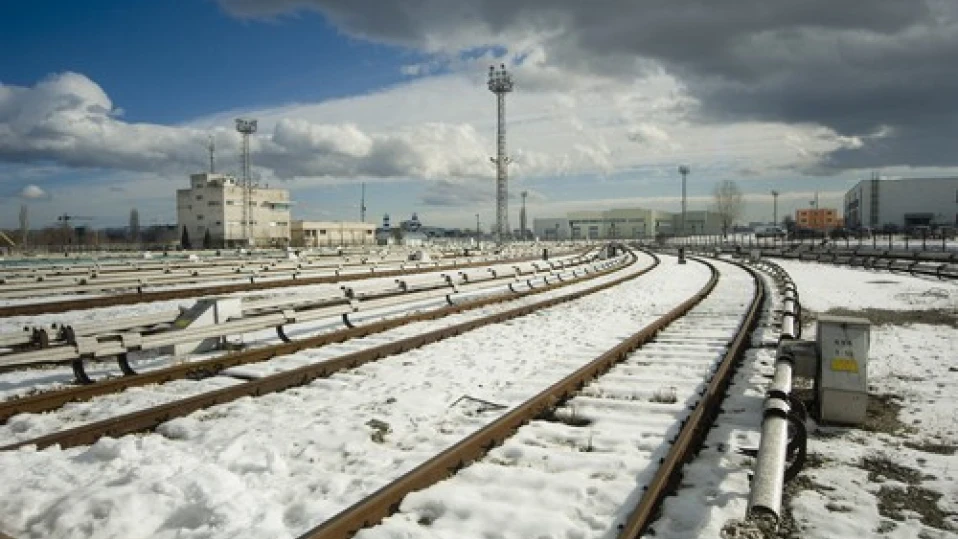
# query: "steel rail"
[[146, 419], [165, 295], [695, 427], [97, 283], [385, 501], [117, 337]]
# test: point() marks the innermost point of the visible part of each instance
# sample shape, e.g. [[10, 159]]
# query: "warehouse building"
[[331, 233], [903, 203], [625, 223], [213, 205]]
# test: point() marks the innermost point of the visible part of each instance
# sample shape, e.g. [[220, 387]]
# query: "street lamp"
[[774, 207], [684, 171]]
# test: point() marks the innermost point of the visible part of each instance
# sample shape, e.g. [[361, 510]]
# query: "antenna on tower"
[[246, 128], [362, 205], [212, 149], [500, 83]]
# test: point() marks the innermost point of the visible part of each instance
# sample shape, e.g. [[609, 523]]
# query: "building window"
[[213, 203], [322, 232], [219, 223], [369, 232], [230, 202], [199, 197], [199, 217]]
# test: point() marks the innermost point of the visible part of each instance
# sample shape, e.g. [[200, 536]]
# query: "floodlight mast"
[[247, 127], [500, 83], [684, 171]]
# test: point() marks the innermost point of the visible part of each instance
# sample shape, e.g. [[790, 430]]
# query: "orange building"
[[818, 219]]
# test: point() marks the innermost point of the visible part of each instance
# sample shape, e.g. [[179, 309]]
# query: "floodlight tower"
[[500, 83], [684, 171], [246, 128]]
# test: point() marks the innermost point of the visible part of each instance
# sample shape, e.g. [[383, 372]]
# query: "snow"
[[583, 478], [313, 445], [914, 362], [278, 465]]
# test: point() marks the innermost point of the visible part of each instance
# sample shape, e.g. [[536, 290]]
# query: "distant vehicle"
[[769, 231], [840, 233], [805, 233]]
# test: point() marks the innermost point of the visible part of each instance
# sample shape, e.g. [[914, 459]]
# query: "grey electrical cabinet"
[[842, 344]]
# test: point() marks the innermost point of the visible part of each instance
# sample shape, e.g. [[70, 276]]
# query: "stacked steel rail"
[[277, 382], [70, 342], [941, 265], [250, 283]]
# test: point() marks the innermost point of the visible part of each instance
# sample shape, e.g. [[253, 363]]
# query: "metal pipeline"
[[781, 416]]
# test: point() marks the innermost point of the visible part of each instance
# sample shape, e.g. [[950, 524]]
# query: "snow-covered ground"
[[897, 475], [582, 475], [21, 382], [277, 465]]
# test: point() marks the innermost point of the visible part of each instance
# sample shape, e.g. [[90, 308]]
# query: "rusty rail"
[[385, 501], [51, 400], [696, 425], [52, 307], [150, 418]]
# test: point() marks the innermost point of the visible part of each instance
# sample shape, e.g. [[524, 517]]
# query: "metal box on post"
[[842, 344]]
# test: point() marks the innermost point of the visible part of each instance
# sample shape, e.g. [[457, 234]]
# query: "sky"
[[108, 105]]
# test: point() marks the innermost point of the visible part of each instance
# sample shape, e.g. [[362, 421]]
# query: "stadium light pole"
[[500, 83]]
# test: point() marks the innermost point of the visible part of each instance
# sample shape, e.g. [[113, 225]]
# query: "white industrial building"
[[332, 233], [625, 223], [904, 202], [214, 204]]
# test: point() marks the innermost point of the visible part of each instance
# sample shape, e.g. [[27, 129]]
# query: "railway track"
[[198, 289], [116, 337], [708, 361], [243, 384], [599, 442]]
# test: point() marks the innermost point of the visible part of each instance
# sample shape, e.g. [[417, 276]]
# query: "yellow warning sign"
[[844, 364]]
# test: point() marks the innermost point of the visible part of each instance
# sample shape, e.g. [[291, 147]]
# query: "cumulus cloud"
[[851, 66], [33, 192], [69, 120]]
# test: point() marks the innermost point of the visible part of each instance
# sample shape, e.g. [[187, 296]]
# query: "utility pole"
[[478, 231], [522, 217], [500, 83], [684, 171], [774, 207], [362, 205], [212, 149]]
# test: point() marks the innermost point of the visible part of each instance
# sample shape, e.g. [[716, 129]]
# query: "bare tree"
[[728, 203], [24, 225], [134, 225]]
